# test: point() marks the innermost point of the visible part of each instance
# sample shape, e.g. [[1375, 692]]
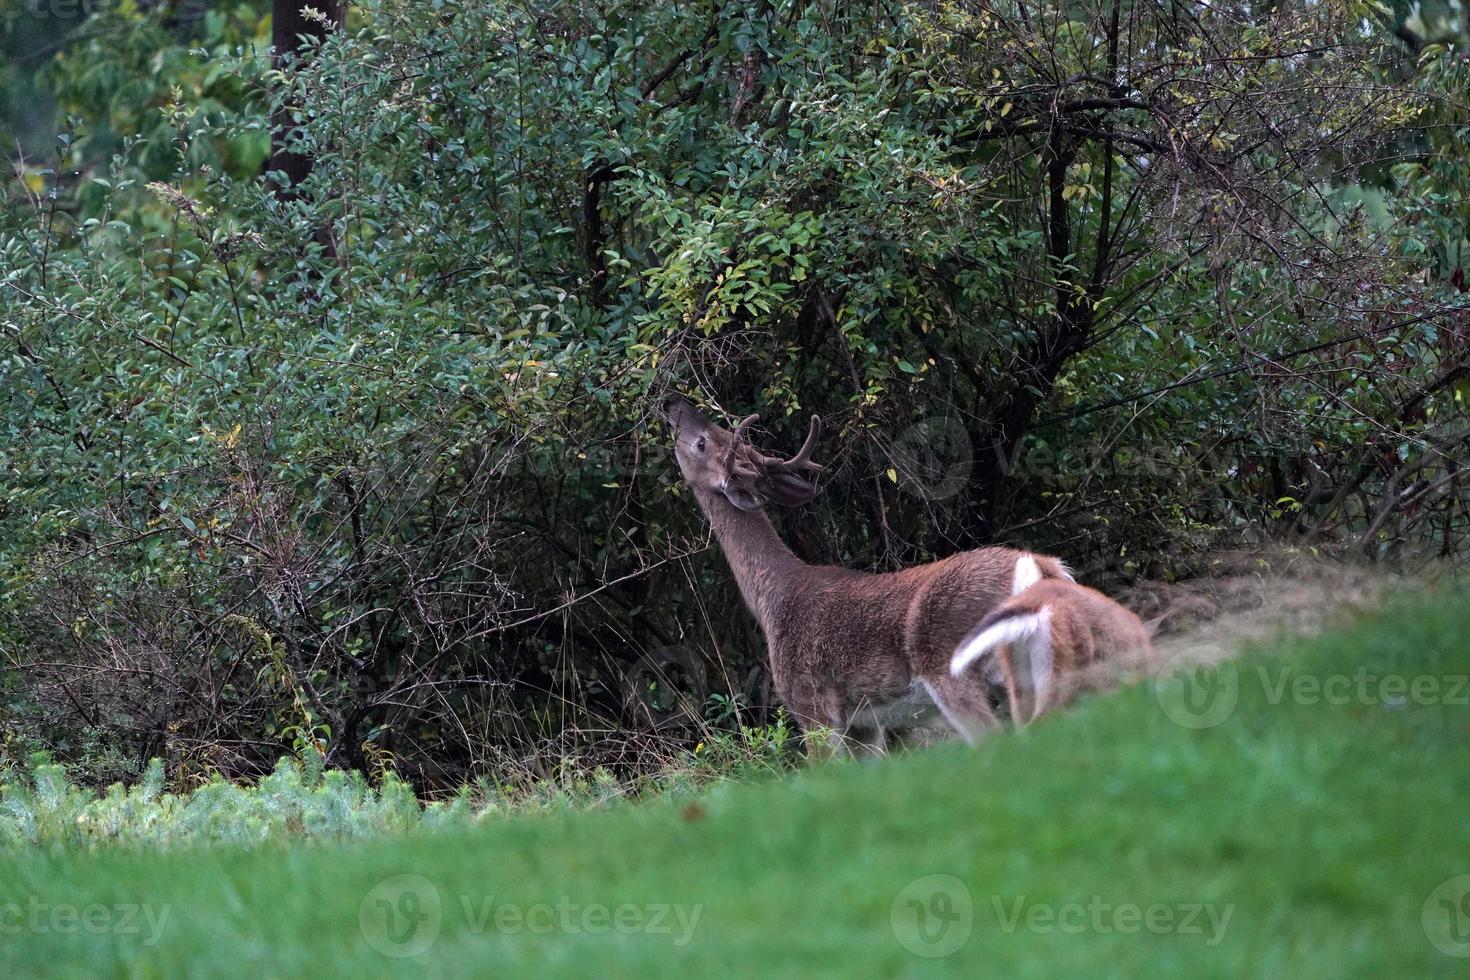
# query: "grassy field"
[[1309, 821]]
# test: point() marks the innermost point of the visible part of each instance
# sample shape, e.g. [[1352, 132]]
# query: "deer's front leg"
[[811, 717], [857, 733]]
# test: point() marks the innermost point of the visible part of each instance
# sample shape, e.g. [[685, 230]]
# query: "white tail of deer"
[[1045, 632]]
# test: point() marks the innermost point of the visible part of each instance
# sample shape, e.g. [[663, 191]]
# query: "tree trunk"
[[1067, 334], [289, 24]]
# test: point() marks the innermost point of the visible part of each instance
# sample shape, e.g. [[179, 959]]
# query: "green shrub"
[[368, 469]]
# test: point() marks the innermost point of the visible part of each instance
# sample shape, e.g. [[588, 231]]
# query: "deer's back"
[[960, 591], [1090, 624], [876, 633]]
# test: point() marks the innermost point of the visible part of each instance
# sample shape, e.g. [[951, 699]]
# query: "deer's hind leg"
[[815, 710], [965, 702]]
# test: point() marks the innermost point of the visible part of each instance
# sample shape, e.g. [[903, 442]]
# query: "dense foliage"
[[366, 466]]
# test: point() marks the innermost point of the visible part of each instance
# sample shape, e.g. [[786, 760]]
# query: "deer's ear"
[[788, 489], [743, 498]]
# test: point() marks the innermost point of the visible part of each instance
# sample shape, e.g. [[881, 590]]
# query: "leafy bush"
[[363, 466]]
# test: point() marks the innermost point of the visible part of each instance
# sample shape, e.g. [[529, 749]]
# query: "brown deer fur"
[[849, 650], [1045, 634]]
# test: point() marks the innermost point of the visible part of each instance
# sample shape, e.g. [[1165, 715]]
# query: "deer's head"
[[723, 461]]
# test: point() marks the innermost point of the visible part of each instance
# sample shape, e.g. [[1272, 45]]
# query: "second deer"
[[1041, 637]]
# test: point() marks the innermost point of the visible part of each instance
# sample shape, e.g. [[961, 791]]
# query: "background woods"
[[371, 466]]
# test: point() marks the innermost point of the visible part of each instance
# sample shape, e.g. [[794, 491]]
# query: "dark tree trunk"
[[289, 24], [1067, 334]]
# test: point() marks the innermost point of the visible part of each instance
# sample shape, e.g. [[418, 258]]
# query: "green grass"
[[1320, 827]]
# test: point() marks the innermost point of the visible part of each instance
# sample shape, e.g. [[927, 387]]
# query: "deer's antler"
[[803, 457], [739, 447]]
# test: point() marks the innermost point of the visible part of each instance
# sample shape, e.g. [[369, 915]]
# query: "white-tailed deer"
[[1042, 636], [853, 651]]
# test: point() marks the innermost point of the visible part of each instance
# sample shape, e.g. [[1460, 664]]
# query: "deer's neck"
[[762, 563]]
